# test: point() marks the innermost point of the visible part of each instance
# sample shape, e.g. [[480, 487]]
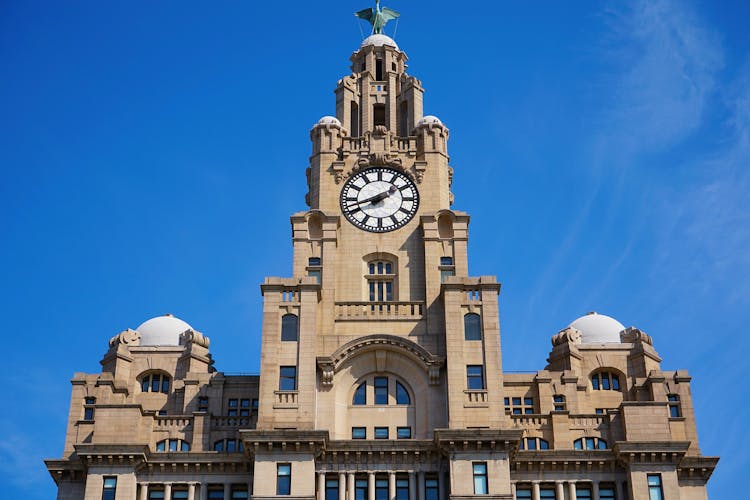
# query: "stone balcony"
[[367, 311]]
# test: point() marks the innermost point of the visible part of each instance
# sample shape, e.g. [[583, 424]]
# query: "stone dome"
[[329, 120], [378, 40], [429, 120], [162, 330], [598, 329]]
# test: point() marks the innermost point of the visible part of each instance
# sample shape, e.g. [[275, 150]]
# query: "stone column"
[[351, 486], [370, 486], [191, 491], [594, 490], [168, 491], [560, 493], [391, 485], [321, 486], [144, 491], [572, 490], [227, 491], [204, 491], [342, 486], [420, 486], [412, 485], [535, 490]]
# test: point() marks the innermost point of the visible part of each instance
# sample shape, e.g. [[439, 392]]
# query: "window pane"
[[403, 432], [332, 489], [615, 382], [360, 394], [216, 494], [231, 445], [359, 433], [547, 494], [145, 384], [381, 432], [173, 445], [590, 444], [578, 444], [313, 261], [165, 384], [528, 401], [184, 446], [595, 382], [156, 495], [431, 489], [289, 325], [381, 390], [388, 290], [472, 327], [583, 494], [523, 494], [219, 445], [155, 382], [528, 411], [446, 261], [516, 401], [605, 381], [161, 446], [110, 482], [480, 478], [602, 444], [402, 395], [388, 268], [88, 414], [288, 379], [475, 377], [543, 445], [674, 412], [530, 444], [380, 268], [283, 479], [179, 494]]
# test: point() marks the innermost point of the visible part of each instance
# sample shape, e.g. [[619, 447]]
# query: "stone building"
[[381, 373]]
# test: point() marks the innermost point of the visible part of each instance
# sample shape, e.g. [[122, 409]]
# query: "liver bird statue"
[[377, 17]]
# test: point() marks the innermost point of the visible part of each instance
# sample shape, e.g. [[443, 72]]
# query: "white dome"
[[598, 329], [329, 120], [378, 40], [162, 330], [429, 120]]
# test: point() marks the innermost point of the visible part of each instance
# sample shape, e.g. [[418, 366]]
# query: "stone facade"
[[381, 372]]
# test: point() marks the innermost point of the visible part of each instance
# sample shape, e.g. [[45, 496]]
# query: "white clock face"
[[379, 199]]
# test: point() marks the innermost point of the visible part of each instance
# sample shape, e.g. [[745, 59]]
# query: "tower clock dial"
[[379, 199]]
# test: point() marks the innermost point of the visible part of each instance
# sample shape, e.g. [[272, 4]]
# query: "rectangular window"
[[381, 489], [583, 493], [431, 491], [288, 378], [359, 433], [110, 488], [402, 488], [378, 114], [381, 432], [360, 489], [381, 390], [523, 494], [202, 403], [607, 492], [232, 408], [216, 493], [403, 432], [654, 487], [674, 405], [155, 383], [480, 478], [239, 492], [88, 411], [559, 402], [179, 494], [244, 407], [332, 489], [546, 493], [475, 377], [283, 479], [154, 494]]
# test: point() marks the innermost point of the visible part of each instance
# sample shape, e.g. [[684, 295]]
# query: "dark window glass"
[[381, 489], [360, 394], [402, 489], [528, 411], [530, 443], [654, 487], [403, 432], [381, 390], [523, 494], [239, 492], [472, 327], [255, 403], [431, 490], [245, 403], [528, 401], [446, 261], [161, 446], [360, 489], [216, 493], [110, 488], [543, 444], [379, 70], [332, 489], [606, 493], [231, 445], [506, 401], [480, 478], [288, 378], [381, 432], [155, 383], [475, 377], [313, 261], [590, 444], [202, 403], [378, 111], [283, 479], [595, 382], [145, 384], [184, 446], [88, 414], [578, 444], [583, 493], [165, 384], [599, 411], [173, 443], [547, 494], [558, 398], [359, 433], [289, 325], [402, 395], [155, 494], [615, 382], [601, 444], [516, 401], [605, 381], [517, 411], [232, 403], [179, 494], [219, 445]]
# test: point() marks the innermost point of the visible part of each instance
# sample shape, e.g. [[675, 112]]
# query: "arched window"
[[590, 443], [402, 395], [472, 327], [605, 381], [380, 277], [156, 382], [289, 328], [534, 443], [360, 395], [172, 445]]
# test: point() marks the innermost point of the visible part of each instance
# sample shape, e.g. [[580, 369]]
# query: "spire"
[[377, 17]]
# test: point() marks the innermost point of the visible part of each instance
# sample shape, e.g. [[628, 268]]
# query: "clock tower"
[[381, 332]]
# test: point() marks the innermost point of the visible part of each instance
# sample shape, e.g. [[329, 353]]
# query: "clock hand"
[[376, 198]]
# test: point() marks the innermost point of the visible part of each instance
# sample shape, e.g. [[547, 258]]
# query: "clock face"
[[379, 199]]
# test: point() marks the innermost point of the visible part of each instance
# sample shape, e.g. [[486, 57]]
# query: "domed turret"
[[598, 329], [162, 330], [378, 40], [329, 120], [429, 120]]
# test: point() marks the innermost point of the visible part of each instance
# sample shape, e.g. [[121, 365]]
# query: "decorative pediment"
[[568, 335], [430, 363], [127, 337]]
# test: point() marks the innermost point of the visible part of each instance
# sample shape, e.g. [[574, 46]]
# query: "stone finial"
[[633, 334], [567, 335], [191, 336], [126, 337]]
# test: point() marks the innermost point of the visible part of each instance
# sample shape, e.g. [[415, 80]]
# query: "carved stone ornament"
[[380, 131], [191, 336], [127, 337], [568, 335], [326, 371], [632, 334]]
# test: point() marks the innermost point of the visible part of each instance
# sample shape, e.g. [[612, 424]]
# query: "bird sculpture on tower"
[[377, 17]]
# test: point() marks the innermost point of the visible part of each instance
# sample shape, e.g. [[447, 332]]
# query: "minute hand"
[[378, 197]]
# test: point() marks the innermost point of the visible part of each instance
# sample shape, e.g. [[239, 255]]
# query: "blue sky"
[[147, 148]]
